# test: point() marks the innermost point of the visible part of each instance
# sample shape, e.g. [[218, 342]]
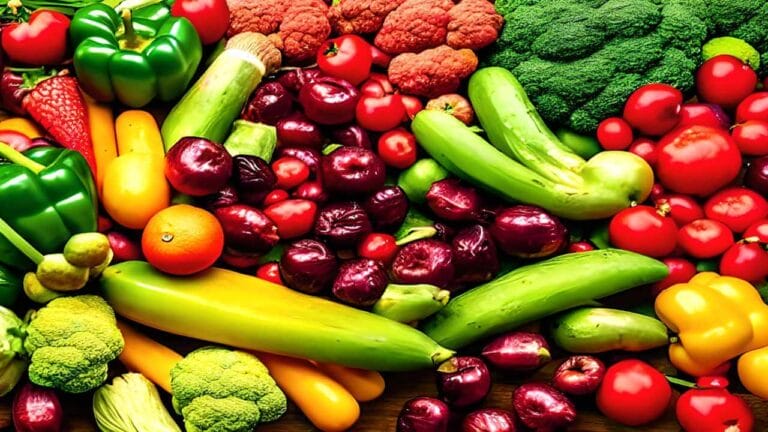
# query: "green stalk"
[[15, 157]]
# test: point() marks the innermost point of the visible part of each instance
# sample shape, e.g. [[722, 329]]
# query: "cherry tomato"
[[293, 217], [580, 246], [737, 208], [748, 261], [758, 230], [643, 230], [751, 137], [348, 57], [680, 271], [710, 407], [397, 148], [657, 191], [633, 393], [725, 80], [681, 208], [380, 114], [705, 238], [124, 247], [703, 115], [654, 109], [412, 106], [40, 41], [646, 149], [209, 17], [290, 172], [276, 196], [697, 160], [378, 246], [614, 133], [753, 107], [270, 272]]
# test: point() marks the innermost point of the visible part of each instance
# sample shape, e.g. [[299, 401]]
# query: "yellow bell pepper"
[[752, 367], [716, 318]]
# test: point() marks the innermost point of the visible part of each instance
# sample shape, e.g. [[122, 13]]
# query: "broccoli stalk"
[[217, 389]]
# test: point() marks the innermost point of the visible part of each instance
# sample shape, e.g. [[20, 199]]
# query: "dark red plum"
[[450, 200], [529, 232], [269, 103], [474, 255], [579, 375], [197, 166], [329, 101], [352, 135], [247, 229], [489, 420], [387, 207], [463, 381], [253, 178], [424, 414], [424, 261], [342, 224], [360, 282], [518, 351], [352, 171], [542, 407], [293, 80], [308, 266], [296, 130]]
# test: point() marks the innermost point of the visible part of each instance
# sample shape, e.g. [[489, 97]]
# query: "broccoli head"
[[579, 60], [217, 389], [70, 341]]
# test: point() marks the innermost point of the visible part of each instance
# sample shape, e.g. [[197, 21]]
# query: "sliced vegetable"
[[131, 404], [249, 138]]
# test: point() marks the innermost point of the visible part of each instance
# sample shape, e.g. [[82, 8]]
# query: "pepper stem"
[[14, 156], [130, 37], [680, 382], [20, 243]]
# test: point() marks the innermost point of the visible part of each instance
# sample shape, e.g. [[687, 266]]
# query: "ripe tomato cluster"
[[708, 209]]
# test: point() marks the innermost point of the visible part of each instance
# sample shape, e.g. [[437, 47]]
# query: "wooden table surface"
[[381, 415]]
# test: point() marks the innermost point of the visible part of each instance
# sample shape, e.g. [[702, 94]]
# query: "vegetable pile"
[[218, 211]]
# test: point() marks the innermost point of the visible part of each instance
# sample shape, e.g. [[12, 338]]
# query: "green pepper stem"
[[14, 156], [680, 382], [20, 243], [131, 39]]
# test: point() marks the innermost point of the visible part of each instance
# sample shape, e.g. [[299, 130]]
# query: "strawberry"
[[58, 106]]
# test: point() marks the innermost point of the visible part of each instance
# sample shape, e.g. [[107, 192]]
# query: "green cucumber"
[[592, 330], [536, 291]]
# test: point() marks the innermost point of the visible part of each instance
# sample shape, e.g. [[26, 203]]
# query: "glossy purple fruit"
[[352, 135], [518, 351], [247, 229], [226, 196], [269, 103], [424, 261], [387, 207], [342, 224], [308, 266], [579, 375], [197, 166], [253, 179], [329, 101], [756, 177], [360, 282], [463, 381], [451, 200], [474, 255], [489, 420], [542, 407], [294, 79], [424, 414], [529, 232], [352, 170], [296, 130]]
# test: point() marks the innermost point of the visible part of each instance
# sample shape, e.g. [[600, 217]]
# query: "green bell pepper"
[[134, 57], [49, 195]]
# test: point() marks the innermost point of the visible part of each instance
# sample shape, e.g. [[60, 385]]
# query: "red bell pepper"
[[710, 407], [40, 41]]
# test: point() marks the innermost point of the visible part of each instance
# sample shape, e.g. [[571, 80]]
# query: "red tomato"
[[697, 160], [614, 133], [646, 149], [753, 107], [397, 148], [748, 261], [725, 80], [681, 208], [380, 114], [348, 57], [580, 246], [633, 393], [751, 137], [378, 246], [41, 41], [270, 272], [705, 238], [758, 230], [703, 115], [710, 407], [276, 196], [290, 172], [643, 230], [654, 109], [737, 208], [379, 57], [412, 106], [293, 217], [209, 17], [377, 85], [680, 271]]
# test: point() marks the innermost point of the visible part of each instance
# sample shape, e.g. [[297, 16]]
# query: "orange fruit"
[[182, 239]]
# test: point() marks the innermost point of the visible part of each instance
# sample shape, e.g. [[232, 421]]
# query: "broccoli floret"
[[217, 389], [70, 341], [579, 60]]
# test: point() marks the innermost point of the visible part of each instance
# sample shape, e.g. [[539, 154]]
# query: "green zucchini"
[[539, 290]]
